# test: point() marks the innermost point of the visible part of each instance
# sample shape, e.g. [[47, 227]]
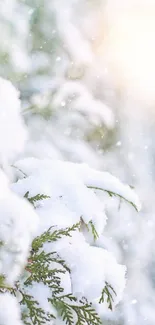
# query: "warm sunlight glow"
[[128, 46]]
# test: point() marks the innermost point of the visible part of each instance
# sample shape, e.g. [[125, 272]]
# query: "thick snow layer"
[[9, 310], [91, 267], [18, 222], [69, 195], [41, 293], [71, 200], [71, 172], [13, 133]]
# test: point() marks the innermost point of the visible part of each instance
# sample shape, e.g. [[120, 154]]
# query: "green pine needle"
[[36, 198], [107, 293]]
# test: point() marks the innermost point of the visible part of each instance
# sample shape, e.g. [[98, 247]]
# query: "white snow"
[[90, 268], [90, 177], [9, 310], [70, 200], [13, 133], [18, 223], [72, 191]]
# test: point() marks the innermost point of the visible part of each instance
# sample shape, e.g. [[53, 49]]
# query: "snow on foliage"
[[39, 51], [47, 259], [12, 127], [69, 197], [18, 223], [70, 174]]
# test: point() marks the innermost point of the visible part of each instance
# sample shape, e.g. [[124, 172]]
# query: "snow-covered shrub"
[[56, 270], [48, 45], [68, 276], [72, 126]]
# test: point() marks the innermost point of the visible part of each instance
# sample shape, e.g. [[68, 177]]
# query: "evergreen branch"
[[64, 310], [40, 263], [34, 314], [47, 258], [111, 194], [49, 236], [36, 198], [86, 314], [109, 297], [71, 310], [40, 270], [79, 314], [94, 231], [59, 233], [39, 266]]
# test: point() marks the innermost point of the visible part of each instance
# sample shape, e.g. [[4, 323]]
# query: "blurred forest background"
[[86, 73]]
